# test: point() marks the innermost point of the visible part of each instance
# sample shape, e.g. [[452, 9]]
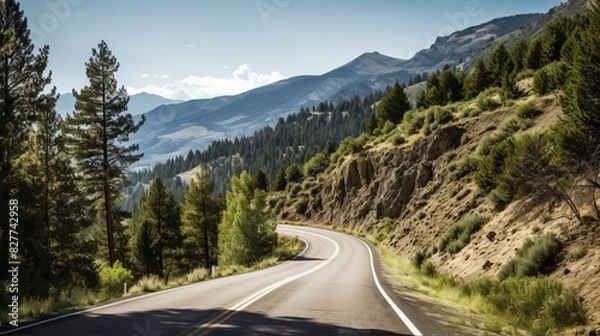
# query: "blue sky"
[[195, 49]]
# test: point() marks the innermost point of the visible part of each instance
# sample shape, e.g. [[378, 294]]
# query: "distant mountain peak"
[[373, 62]]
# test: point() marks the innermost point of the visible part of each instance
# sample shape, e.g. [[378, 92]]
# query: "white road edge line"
[[263, 292], [387, 298], [89, 310]]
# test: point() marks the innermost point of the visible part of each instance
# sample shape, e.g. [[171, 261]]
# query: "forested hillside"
[[292, 140]]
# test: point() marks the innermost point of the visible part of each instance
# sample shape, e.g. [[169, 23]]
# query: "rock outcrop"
[[378, 184]]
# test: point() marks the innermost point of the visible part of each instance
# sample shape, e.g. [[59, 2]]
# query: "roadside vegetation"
[[512, 303]]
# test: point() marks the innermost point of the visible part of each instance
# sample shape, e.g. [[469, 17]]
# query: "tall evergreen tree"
[[162, 215], [477, 80], [262, 182], [59, 253], [433, 91], [497, 65], [201, 215], [144, 245], [22, 81], [553, 38], [97, 133], [579, 130], [534, 56], [451, 86], [518, 54], [246, 231], [392, 106]]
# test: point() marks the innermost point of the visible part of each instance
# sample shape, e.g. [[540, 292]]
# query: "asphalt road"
[[332, 288]]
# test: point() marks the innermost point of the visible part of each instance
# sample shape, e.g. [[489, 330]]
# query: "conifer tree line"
[[549, 52], [65, 174], [294, 139]]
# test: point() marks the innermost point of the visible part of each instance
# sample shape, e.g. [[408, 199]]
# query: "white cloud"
[[164, 76], [190, 46], [144, 75], [194, 87]]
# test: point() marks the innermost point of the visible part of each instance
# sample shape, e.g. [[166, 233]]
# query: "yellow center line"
[[207, 327]]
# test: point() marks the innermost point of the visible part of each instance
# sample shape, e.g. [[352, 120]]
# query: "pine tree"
[[497, 65], [262, 182], [246, 231], [22, 81], [279, 183], [97, 133], [451, 86], [58, 208], [477, 80], [433, 92], [392, 106], [518, 54], [579, 130], [162, 213], [553, 38], [144, 244], [201, 215], [534, 55]]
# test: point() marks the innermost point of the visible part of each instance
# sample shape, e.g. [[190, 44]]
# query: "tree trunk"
[[206, 248], [107, 200]]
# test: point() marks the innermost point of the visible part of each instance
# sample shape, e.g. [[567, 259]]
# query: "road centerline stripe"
[[224, 316]]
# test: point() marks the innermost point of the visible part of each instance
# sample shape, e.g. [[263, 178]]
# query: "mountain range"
[[174, 129]]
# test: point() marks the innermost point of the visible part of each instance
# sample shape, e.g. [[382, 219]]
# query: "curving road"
[[331, 288]]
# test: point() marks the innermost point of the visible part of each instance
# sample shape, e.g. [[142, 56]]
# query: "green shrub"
[[316, 165], [549, 78], [384, 228], [413, 121], [349, 146], [301, 206], [418, 259], [526, 111], [535, 257], [196, 275], [428, 269], [147, 284], [488, 103], [397, 139], [295, 189], [459, 234], [491, 165], [113, 278], [388, 127], [521, 168], [579, 253], [464, 166], [533, 303], [528, 73], [508, 128], [526, 299], [442, 115]]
